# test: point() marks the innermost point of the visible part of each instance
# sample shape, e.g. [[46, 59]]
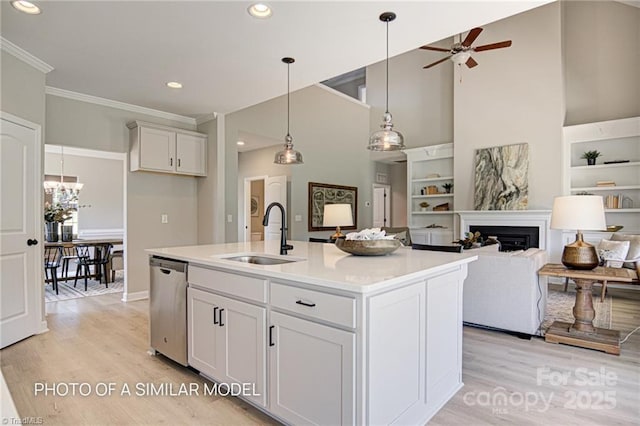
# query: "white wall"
[[602, 60], [514, 95], [103, 192], [87, 125]]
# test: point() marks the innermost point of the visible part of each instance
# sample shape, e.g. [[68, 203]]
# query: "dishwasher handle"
[[165, 271]]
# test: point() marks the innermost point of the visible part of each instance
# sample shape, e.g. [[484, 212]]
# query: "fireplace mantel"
[[537, 218]]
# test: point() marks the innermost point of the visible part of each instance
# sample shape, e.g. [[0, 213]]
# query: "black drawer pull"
[[300, 302], [220, 318], [271, 336], [215, 311]]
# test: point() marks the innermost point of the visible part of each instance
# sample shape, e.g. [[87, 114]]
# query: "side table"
[[582, 332]]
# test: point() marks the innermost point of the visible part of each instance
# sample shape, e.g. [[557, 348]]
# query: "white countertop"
[[323, 264]]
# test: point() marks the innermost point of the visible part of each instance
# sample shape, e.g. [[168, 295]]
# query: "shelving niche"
[[616, 140], [423, 164]]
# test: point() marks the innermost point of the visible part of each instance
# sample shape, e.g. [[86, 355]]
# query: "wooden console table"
[[582, 332]]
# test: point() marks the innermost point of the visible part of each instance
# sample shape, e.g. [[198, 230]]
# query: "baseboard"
[[132, 297]]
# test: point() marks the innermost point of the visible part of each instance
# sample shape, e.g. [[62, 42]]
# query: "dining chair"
[[99, 259], [400, 233], [116, 263], [450, 249], [68, 254], [52, 256]]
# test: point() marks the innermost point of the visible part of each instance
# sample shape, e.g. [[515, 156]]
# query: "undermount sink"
[[260, 260]]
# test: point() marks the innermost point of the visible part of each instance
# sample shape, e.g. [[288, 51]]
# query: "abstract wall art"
[[501, 178]]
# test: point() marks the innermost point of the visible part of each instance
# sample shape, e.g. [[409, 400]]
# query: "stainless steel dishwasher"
[[168, 308]]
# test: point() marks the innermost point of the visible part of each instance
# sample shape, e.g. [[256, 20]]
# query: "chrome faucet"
[[283, 231]]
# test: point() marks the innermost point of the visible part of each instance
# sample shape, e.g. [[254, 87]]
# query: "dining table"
[[87, 241]]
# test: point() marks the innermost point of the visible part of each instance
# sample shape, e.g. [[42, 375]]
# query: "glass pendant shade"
[[288, 155], [386, 139]]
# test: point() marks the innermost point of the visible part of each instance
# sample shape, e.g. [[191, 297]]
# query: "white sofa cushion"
[[503, 290]]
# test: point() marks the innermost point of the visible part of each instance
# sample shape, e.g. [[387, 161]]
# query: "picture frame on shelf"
[[323, 193]]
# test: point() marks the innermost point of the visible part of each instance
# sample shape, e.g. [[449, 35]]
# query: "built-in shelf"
[[432, 212], [606, 188], [437, 179], [433, 195], [615, 140]]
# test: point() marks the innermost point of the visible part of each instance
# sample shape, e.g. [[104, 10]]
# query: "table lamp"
[[337, 215], [582, 213]]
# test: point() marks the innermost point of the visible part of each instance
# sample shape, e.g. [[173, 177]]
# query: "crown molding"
[[54, 91], [206, 117], [24, 56]]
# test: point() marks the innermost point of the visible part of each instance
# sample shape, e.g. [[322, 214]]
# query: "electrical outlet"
[[298, 218], [229, 218], [164, 218]]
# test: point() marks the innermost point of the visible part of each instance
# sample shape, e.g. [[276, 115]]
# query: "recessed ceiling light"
[[240, 143], [174, 85], [26, 7], [259, 10]]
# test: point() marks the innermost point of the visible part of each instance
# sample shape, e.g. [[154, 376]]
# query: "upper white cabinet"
[[163, 149], [430, 181], [616, 174]]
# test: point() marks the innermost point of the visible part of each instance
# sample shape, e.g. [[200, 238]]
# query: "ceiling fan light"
[[460, 58]]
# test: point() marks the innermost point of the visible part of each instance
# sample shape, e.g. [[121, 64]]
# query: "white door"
[[275, 190], [21, 230], [381, 206], [311, 372]]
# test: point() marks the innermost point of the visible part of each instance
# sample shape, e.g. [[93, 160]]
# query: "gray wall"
[[102, 194], [208, 213], [91, 126], [22, 91], [331, 132], [513, 96], [602, 60]]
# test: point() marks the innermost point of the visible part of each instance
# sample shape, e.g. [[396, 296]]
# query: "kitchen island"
[[327, 337]]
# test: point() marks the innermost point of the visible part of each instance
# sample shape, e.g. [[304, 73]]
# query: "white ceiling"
[[227, 60]]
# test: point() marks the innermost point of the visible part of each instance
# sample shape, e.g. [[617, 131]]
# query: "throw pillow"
[[614, 252], [633, 255]]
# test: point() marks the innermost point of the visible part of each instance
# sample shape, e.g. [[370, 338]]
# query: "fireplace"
[[515, 229], [511, 238]]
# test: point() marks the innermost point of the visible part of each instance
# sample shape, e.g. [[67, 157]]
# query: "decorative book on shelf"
[[605, 183]]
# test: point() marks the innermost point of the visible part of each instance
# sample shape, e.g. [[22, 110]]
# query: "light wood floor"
[[100, 340]]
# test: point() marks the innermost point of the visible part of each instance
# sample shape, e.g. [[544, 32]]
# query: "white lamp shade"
[[337, 215], [579, 212]]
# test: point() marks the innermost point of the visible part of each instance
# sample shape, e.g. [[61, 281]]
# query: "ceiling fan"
[[460, 53]]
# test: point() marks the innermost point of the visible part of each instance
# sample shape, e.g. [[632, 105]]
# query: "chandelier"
[[64, 193]]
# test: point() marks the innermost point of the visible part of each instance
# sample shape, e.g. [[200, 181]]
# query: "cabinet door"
[[205, 335], [245, 354], [157, 149], [191, 154], [311, 372]]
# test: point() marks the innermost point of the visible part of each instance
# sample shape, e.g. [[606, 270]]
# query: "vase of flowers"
[[54, 215]]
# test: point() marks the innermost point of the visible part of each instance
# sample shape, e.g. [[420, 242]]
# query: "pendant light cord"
[[387, 101], [288, 94]]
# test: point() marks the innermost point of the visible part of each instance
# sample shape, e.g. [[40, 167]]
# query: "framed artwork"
[[255, 205], [323, 193], [501, 178]]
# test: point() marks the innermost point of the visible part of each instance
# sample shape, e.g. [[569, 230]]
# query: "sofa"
[[503, 290]]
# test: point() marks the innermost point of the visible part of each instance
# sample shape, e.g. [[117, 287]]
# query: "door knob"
[[32, 242]]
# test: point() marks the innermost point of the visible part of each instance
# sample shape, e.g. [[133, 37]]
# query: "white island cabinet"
[[328, 338]]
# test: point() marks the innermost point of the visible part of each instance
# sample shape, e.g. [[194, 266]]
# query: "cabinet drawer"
[[251, 288], [328, 307]]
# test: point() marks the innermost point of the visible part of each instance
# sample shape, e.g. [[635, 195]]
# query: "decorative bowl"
[[368, 247], [614, 228]]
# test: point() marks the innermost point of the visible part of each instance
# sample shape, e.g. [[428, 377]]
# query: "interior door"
[[275, 190], [20, 230], [381, 206]]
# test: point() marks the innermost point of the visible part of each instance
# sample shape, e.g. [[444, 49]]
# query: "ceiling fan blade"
[[436, 62], [437, 49], [499, 45], [471, 62], [471, 37]]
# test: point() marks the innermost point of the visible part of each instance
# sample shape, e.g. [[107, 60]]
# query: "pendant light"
[[386, 139], [64, 193], [288, 155]]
